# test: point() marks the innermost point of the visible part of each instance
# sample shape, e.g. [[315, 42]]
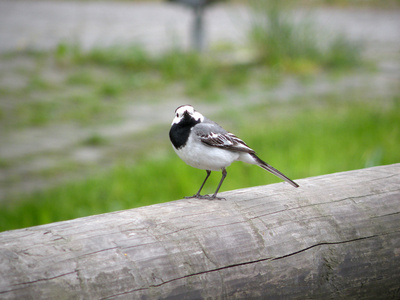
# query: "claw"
[[207, 197], [214, 196]]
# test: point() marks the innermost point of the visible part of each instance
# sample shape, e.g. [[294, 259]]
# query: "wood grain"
[[336, 236]]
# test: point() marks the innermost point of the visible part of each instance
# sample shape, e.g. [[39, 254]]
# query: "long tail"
[[274, 171]]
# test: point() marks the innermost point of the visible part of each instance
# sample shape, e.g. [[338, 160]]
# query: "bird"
[[203, 144]]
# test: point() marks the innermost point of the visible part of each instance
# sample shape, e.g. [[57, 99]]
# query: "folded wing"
[[215, 136]]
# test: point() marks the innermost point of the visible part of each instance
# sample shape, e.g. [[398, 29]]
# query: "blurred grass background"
[[304, 135]]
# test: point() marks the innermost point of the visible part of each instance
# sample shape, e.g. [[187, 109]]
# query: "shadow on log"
[[337, 236]]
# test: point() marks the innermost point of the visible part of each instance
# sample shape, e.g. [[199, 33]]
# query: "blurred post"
[[197, 33], [198, 29]]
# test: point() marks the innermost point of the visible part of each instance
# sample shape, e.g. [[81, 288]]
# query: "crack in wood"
[[99, 251], [324, 244], [382, 178], [386, 215], [247, 263], [322, 203], [23, 284]]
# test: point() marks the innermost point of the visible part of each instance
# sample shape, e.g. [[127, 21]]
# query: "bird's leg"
[[208, 175], [197, 195], [219, 185]]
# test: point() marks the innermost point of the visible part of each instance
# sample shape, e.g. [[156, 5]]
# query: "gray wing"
[[214, 135]]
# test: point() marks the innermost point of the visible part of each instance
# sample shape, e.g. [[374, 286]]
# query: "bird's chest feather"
[[201, 156]]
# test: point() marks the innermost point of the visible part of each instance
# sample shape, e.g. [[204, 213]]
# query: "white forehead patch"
[[182, 109]]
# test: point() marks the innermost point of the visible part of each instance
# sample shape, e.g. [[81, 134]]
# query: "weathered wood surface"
[[337, 236]]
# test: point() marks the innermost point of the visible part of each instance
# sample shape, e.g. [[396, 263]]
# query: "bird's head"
[[186, 113]]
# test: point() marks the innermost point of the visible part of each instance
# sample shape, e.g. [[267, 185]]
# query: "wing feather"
[[213, 135], [225, 141]]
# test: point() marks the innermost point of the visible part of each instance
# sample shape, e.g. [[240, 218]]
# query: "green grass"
[[293, 46], [304, 138], [71, 84], [358, 3]]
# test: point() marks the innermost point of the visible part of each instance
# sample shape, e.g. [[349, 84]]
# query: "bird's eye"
[[177, 115]]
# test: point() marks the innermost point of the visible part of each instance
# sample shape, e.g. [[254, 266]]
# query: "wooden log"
[[337, 236]]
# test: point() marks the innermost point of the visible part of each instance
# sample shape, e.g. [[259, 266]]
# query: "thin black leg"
[[219, 185], [197, 195], [208, 175]]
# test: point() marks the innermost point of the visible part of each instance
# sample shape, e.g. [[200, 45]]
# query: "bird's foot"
[[207, 197]]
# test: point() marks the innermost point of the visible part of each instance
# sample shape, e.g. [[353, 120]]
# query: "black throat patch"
[[179, 133]]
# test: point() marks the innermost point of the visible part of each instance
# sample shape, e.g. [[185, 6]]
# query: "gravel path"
[[44, 24]]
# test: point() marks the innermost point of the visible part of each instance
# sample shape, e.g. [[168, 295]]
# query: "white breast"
[[201, 156]]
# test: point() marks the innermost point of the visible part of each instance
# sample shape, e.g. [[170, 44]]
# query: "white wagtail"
[[203, 144]]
